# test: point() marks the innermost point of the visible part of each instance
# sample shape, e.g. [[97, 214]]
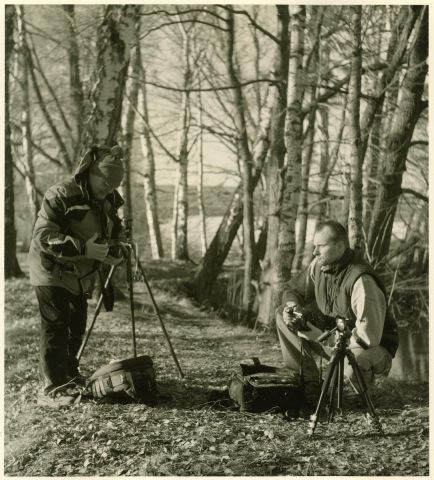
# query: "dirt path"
[[188, 433]]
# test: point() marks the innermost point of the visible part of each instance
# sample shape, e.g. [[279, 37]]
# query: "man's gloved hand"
[[94, 250], [297, 318]]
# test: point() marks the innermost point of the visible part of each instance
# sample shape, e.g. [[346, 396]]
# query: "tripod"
[[335, 378], [129, 247]]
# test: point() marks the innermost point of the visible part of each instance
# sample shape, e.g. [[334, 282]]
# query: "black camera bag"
[[134, 377], [259, 388]]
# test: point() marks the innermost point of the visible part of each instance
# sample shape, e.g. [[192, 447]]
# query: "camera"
[[115, 247], [298, 318]]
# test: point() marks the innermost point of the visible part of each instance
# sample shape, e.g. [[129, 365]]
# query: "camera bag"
[[256, 387], [134, 377]]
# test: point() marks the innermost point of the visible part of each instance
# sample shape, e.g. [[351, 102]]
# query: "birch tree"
[[114, 36], [246, 169], [148, 168], [355, 215], [309, 137], [397, 143], [129, 119], [180, 201], [75, 84], [26, 121], [293, 141], [11, 266], [274, 166]]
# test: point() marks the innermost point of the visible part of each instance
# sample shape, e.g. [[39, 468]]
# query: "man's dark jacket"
[[68, 217]]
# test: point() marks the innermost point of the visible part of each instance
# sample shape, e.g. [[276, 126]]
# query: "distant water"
[[412, 358]]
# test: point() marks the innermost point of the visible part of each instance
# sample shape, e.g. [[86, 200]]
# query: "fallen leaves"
[[187, 435]]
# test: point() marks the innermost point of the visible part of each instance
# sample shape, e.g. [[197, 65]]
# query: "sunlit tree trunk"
[[273, 170], [26, 121], [75, 84], [200, 201], [293, 142], [406, 115], [355, 214], [115, 35], [246, 170], [11, 266], [180, 202], [149, 189], [309, 136], [129, 119]]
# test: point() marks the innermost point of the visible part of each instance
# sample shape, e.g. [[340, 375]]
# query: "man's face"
[[327, 250], [99, 186]]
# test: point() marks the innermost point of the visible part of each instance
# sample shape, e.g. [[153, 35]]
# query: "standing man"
[[69, 241], [337, 283]]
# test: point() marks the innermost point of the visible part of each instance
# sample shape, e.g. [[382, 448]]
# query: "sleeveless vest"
[[333, 288]]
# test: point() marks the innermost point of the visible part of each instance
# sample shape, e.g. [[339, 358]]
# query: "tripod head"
[[341, 329]]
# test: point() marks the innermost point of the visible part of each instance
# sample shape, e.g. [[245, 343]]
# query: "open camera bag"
[[258, 388], [133, 376]]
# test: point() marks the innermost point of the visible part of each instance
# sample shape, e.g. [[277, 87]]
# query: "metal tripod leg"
[[340, 382], [131, 292], [157, 312], [95, 315], [364, 391], [334, 387], [325, 386]]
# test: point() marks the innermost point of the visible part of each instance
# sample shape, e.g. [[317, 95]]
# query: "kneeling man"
[[337, 283]]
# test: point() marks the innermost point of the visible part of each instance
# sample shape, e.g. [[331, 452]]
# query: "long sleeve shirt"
[[369, 306]]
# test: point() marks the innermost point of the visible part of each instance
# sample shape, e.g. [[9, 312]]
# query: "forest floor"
[[190, 431]]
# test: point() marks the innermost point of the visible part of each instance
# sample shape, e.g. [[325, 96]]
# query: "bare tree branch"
[[166, 24], [252, 21], [418, 195], [183, 12], [214, 89]]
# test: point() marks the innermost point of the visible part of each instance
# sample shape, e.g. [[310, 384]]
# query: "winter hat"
[[108, 164]]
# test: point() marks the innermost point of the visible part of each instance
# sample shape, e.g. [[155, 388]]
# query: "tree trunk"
[[212, 262], [309, 138], [397, 47], [75, 85], [200, 202], [26, 123], [180, 203], [150, 192], [293, 142], [11, 266], [246, 171], [274, 168], [115, 34], [130, 116], [355, 214], [397, 143]]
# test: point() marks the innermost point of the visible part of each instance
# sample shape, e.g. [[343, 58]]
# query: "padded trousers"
[[63, 325]]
